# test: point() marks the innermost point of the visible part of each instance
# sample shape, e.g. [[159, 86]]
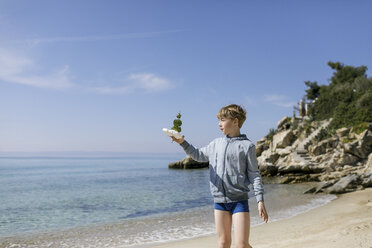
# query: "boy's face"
[[227, 125]]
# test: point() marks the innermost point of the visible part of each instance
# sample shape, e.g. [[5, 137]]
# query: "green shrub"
[[358, 129], [271, 134], [347, 140], [308, 129], [323, 134]]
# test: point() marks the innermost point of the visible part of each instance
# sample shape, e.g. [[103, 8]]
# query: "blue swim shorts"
[[233, 207]]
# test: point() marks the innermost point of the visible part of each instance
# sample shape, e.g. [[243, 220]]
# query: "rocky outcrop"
[[361, 147], [323, 147], [261, 146], [340, 161], [284, 123], [188, 163], [283, 139]]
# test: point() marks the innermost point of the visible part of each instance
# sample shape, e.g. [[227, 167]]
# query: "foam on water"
[[128, 233]]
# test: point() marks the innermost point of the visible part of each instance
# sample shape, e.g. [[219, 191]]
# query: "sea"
[[120, 201]]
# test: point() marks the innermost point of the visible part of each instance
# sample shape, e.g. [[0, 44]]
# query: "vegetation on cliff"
[[347, 99]]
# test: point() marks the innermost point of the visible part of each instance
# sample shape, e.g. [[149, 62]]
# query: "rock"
[[347, 167], [323, 146], [311, 190], [361, 147], [316, 168], [318, 149], [367, 182], [352, 148], [267, 157], [176, 165], [261, 146], [261, 141], [281, 122], [329, 176], [369, 161], [344, 185], [314, 177], [366, 143], [268, 170], [188, 163], [297, 168], [284, 152], [284, 161], [285, 180], [283, 139], [320, 188], [346, 159], [343, 132], [367, 178]]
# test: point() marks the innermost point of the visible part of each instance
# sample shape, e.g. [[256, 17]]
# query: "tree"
[[313, 92], [346, 74]]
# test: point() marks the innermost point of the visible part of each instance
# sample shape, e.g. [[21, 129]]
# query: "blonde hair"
[[233, 111]]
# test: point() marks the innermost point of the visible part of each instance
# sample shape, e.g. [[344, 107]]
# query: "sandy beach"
[[344, 222]]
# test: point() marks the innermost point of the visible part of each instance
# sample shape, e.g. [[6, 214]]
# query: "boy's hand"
[[179, 141], [262, 211]]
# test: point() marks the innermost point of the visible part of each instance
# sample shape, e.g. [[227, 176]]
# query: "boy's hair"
[[233, 111]]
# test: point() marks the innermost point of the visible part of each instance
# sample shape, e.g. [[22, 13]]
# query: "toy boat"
[[171, 132]]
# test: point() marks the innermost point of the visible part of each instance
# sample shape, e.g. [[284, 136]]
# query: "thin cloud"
[[250, 101], [150, 82], [36, 41], [112, 90], [279, 100], [147, 82], [15, 68]]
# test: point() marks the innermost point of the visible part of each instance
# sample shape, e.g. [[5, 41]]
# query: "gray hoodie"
[[232, 167]]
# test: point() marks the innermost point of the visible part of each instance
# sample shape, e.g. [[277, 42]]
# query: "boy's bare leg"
[[241, 221], [223, 222]]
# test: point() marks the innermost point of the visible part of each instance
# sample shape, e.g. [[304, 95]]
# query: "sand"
[[344, 222]]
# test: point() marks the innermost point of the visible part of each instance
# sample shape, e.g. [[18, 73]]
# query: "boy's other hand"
[[179, 141], [262, 211]]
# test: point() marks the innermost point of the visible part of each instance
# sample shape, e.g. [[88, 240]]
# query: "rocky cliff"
[[301, 150]]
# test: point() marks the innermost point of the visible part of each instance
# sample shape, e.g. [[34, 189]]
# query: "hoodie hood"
[[240, 137]]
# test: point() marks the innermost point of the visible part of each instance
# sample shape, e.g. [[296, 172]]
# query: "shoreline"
[[343, 222], [325, 223]]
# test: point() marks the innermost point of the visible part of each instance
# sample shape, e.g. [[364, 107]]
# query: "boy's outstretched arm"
[[179, 141], [200, 155]]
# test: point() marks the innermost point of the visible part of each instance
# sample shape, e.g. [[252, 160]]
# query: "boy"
[[232, 166]]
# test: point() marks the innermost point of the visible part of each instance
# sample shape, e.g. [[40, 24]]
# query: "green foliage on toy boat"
[[177, 123]]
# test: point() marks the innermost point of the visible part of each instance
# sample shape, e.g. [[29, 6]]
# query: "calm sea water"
[[118, 201]]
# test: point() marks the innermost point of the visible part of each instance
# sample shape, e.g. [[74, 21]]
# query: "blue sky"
[[107, 75]]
